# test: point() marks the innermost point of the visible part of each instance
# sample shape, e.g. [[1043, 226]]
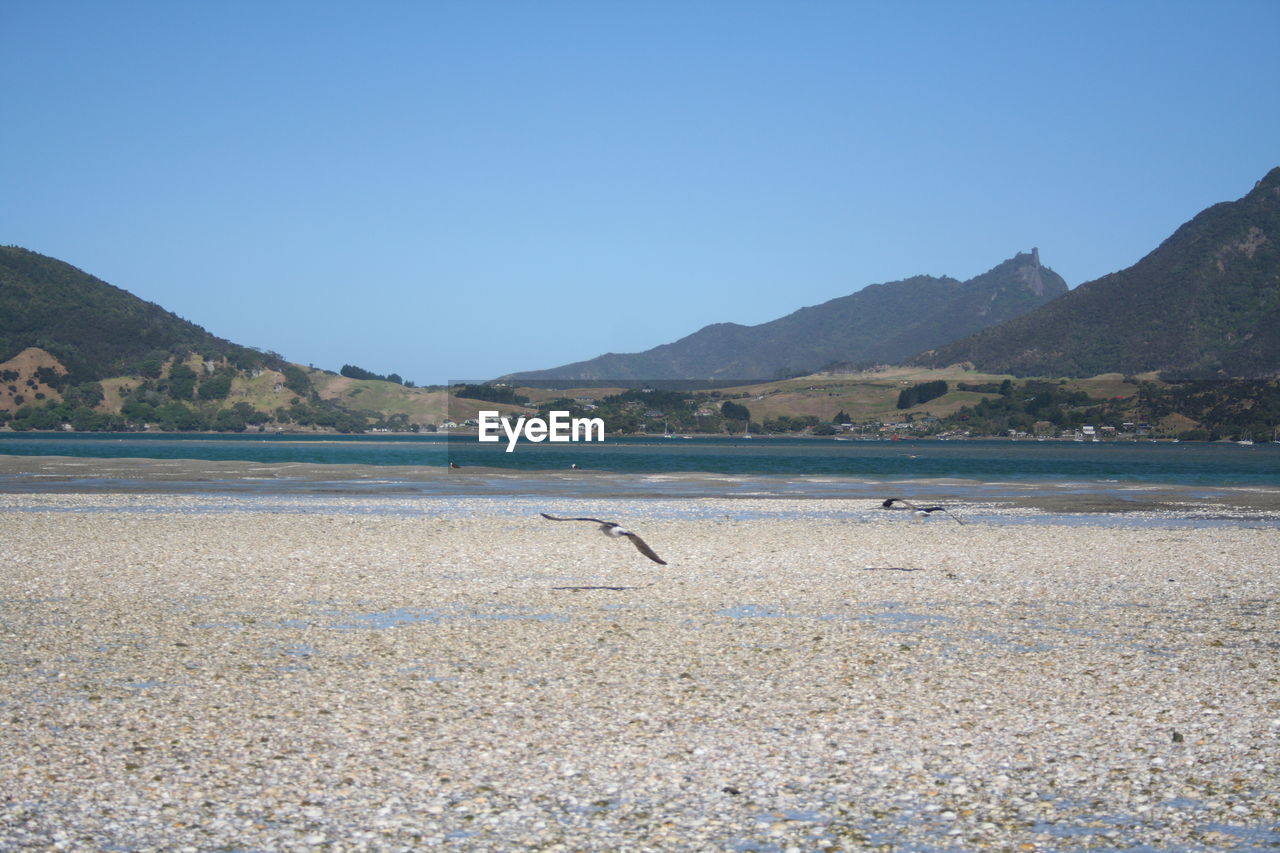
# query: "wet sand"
[[174, 677], [91, 475]]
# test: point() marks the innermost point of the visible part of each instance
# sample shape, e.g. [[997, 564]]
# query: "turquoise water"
[[1063, 482], [1184, 463]]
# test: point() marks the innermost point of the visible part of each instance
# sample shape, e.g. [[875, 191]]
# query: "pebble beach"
[[177, 673]]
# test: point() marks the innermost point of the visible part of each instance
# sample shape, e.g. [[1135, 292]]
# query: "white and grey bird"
[[919, 511], [612, 528]]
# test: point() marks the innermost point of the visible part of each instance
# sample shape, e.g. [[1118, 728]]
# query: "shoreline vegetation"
[[253, 392], [472, 433]]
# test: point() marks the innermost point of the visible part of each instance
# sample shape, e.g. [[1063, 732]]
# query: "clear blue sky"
[[452, 190]]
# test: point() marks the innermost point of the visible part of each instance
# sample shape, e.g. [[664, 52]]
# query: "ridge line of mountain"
[[877, 324], [1205, 303]]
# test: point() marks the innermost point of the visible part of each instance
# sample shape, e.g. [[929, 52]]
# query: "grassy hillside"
[[302, 399], [873, 395], [37, 394], [417, 406]]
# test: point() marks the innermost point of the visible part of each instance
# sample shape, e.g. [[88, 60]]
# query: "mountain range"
[[1204, 304], [879, 324]]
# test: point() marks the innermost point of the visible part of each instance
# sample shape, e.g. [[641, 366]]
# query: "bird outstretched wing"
[[889, 502], [617, 530], [645, 549], [936, 508], [559, 518]]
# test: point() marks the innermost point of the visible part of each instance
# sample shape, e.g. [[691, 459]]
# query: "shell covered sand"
[[348, 681]]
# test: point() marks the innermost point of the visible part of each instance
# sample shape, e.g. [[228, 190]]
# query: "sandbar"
[[301, 678]]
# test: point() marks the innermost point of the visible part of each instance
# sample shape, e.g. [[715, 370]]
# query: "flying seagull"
[[919, 511], [611, 528]]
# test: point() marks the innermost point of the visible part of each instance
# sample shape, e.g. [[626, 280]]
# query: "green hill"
[[76, 351], [94, 329], [1205, 303]]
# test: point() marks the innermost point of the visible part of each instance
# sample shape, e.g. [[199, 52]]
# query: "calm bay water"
[[1184, 463], [1213, 483]]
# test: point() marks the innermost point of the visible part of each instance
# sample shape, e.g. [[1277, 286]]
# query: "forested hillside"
[[94, 329], [1205, 303], [77, 352]]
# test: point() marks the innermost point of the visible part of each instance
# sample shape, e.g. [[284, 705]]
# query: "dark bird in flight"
[[919, 511], [611, 528]]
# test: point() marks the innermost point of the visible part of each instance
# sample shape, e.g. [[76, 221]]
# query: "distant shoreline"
[[472, 433]]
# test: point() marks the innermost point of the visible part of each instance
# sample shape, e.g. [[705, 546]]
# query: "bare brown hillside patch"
[[25, 388]]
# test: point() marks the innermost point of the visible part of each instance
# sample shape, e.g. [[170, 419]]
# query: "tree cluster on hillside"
[[647, 410], [352, 372], [1225, 408], [811, 424], [490, 393], [1019, 408], [921, 392], [732, 411], [640, 410]]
